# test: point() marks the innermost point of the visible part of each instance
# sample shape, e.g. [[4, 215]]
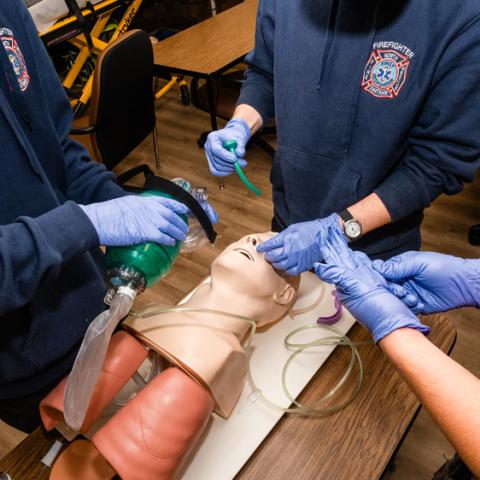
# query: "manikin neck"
[[223, 298]]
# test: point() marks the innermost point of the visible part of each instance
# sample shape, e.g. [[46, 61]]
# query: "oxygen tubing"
[[245, 180], [231, 145], [339, 339]]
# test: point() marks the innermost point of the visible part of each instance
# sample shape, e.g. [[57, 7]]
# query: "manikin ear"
[[285, 296]]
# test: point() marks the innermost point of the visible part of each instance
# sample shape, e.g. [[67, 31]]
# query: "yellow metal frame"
[[170, 84], [72, 19], [99, 45]]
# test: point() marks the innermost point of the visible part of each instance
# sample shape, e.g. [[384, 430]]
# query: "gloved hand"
[[398, 290], [362, 290], [210, 211], [434, 282], [221, 160], [297, 248], [135, 219]]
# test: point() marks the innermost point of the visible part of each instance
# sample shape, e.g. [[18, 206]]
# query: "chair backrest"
[[122, 106]]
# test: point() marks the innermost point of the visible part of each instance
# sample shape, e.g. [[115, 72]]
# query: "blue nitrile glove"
[[135, 219], [221, 160], [297, 248], [434, 282], [398, 290], [363, 290], [210, 211]]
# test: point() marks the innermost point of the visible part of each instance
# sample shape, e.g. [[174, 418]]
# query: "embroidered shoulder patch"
[[16, 57], [386, 70]]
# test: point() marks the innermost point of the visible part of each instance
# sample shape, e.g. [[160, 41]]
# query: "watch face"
[[353, 229]]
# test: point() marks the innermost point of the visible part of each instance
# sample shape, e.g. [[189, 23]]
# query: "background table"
[[209, 48], [358, 442]]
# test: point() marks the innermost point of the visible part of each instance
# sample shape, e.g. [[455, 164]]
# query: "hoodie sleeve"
[[87, 181], [257, 90], [444, 143], [32, 250]]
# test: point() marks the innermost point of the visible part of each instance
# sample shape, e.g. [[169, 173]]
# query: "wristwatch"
[[352, 227]]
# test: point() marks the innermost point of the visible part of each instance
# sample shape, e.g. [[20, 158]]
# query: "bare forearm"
[[449, 392], [250, 115], [370, 212]]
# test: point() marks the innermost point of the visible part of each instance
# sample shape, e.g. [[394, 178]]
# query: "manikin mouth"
[[245, 253]]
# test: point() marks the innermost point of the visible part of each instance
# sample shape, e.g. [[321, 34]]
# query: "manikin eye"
[[254, 242], [245, 253]]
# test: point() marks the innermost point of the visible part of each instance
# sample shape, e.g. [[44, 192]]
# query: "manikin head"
[[243, 276]]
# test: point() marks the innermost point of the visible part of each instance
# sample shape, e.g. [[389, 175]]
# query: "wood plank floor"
[[445, 230]]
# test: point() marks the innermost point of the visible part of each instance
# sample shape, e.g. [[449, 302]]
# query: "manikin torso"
[[207, 346]]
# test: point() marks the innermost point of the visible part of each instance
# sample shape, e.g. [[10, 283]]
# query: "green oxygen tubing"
[[231, 145]]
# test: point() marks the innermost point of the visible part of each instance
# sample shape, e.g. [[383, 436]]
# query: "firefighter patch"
[[386, 70], [16, 58]]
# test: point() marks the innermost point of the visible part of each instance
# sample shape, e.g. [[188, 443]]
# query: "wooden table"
[[356, 443], [209, 48]]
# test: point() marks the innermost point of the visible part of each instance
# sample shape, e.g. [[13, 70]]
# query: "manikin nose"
[[251, 239]]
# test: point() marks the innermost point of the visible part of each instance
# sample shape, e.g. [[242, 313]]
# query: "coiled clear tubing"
[[337, 338]]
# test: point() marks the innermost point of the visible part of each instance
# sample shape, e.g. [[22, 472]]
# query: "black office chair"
[[122, 114], [122, 109], [226, 90]]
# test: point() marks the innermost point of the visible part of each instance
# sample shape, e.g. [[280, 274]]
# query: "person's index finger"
[[174, 205], [272, 243], [276, 255]]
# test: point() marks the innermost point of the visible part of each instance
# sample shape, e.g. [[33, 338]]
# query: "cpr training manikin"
[[153, 433]]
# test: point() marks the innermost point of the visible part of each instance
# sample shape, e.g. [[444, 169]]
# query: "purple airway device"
[[332, 319]]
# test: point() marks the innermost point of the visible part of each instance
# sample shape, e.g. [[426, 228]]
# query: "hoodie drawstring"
[[332, 19]]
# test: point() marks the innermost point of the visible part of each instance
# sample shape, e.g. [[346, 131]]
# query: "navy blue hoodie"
[[51, 279], [368, 96]]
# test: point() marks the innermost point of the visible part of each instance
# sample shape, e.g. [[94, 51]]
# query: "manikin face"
[[246, 272]]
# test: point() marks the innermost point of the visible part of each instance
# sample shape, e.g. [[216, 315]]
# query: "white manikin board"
[[228, 444]]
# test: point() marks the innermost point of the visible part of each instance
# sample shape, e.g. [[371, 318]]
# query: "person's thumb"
[[327, 273], [210, 211]]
